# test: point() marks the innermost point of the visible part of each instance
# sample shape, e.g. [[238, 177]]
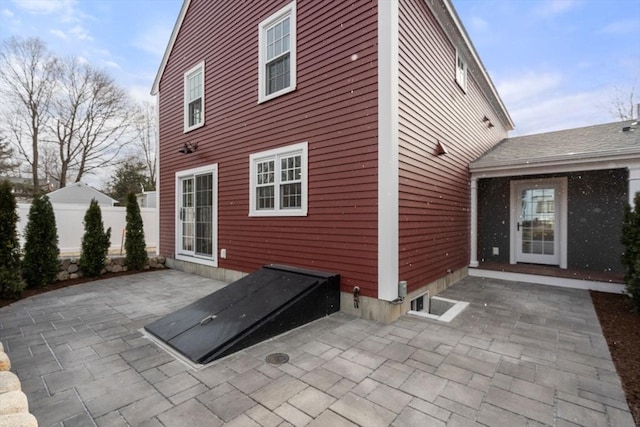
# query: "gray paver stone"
[[410, 417], [362, 411], [312, 401]]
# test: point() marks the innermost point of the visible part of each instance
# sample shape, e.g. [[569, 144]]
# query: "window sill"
[[281, 92], [277, 213], [196, 260], [187, 130]]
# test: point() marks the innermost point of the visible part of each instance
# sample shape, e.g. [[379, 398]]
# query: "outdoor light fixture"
[[188, 148], [440, 149], [485, 119]]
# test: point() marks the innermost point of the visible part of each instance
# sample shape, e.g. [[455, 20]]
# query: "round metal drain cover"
[[277, 358]]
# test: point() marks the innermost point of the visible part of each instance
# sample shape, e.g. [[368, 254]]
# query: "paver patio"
[[519, 355]]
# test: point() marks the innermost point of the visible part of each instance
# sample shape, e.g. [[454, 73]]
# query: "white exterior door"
[[196, 222], [538, 225]]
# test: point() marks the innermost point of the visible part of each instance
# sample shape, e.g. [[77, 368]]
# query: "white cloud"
[[112, 64], [528, 86], [564, 111], [80, 33], [478, 24], [549, 8], [153, 39], [7, 13], [60, 34], [543, 102], [44, 7], [624, 27], [141, 93]]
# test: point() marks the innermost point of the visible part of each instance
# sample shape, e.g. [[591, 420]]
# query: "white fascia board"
[[558, 166], [388, 139], [174, 34]]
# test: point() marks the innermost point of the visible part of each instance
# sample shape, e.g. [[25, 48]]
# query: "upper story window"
[[194, 97], [278, 182], [461, 71], [277, 54]]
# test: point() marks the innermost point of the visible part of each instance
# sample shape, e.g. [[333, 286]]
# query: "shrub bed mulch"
[[621, 328]]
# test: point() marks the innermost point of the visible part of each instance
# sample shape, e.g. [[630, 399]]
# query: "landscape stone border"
[[70, 267], [14, 407]]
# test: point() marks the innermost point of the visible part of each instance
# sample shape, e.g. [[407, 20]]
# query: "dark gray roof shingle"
[[591, 142]]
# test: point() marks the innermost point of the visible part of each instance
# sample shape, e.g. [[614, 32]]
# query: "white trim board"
[[562, 282]]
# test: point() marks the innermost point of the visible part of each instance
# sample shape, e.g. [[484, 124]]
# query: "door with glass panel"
[[195, 215], [538, 222]]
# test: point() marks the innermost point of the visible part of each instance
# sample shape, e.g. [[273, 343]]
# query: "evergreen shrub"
[[631, 255], [134, 244], [41, 263], [95, 242], [11, 284]]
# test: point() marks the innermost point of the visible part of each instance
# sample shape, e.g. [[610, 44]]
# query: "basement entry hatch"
[[266, 303]]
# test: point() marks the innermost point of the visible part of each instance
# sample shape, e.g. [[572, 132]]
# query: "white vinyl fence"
[[70, 224]]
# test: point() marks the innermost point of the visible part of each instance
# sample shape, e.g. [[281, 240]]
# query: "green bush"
[[95, 242], [631, 255], [41, 265], [134, 244], [11, 284]]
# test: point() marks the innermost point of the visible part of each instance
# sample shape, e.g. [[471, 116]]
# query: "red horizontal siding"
[[434, 190], [334, 109]]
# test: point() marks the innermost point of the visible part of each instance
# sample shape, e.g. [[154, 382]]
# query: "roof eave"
[[608, 160], [174, 34]]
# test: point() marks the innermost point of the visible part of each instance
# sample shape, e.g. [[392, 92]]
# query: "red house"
[[332, 135]]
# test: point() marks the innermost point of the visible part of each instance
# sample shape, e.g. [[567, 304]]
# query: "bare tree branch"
[[146, 138], [28, 78], [92, 120]]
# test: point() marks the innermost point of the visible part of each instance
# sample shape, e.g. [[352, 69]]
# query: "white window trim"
[[288, 10], [462, 81], [194, 69], [302, 149], [198, 259]]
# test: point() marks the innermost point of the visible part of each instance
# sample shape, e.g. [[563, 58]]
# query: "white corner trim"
[[473, 262], [634, 182], [388, 179]]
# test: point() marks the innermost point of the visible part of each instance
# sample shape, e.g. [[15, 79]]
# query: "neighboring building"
[[23, 187], [80, 193], [556, 199], [330, 135]]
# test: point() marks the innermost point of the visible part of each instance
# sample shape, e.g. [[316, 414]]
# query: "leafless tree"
[[146, 132], [623, 104], [28, 77], [92, 121]]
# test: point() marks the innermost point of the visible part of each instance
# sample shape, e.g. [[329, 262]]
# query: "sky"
[[557, 64]]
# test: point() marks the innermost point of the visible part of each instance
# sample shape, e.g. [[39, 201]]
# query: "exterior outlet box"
[[223, 253], [402, 289], [496, 250]]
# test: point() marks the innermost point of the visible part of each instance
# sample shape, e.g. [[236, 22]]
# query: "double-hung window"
[[278, 182], [461, 71], [277, 54], [194, 97]]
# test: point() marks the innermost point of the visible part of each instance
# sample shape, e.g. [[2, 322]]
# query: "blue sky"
[[556, 63]]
